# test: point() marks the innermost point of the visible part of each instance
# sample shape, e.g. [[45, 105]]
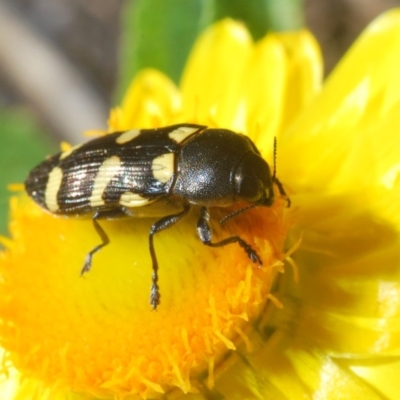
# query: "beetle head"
[[253, 180]]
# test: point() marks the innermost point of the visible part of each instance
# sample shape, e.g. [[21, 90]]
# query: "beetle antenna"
[[274, 160], [240, 211], [275, 179]]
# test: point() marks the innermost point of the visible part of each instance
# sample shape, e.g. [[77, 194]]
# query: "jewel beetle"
[[156, 172]]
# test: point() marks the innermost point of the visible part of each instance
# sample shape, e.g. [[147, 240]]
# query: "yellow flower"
[[219, 331]]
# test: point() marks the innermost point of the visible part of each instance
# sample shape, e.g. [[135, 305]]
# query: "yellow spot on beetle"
[[127, 136], [163, 167], [181, 133], [107, 171], [52, 188], [129, 199]]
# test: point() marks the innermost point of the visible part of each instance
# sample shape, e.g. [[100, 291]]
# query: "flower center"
[[98, 333]]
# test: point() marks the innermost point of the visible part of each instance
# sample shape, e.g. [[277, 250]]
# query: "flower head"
[[220, 329]]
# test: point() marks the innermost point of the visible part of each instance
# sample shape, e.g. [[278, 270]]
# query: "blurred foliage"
[[23, 146], [158, 34], [260, 16]]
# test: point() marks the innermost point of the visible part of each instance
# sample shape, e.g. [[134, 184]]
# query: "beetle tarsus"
[[282, 191], [252, 254], [87, 265], [155, 292], [105, 241]]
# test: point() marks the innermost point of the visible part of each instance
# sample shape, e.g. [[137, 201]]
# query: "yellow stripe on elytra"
[[127, 136], [52, 188], [163, 167], [129, 199], [181, 133], [107, 171]]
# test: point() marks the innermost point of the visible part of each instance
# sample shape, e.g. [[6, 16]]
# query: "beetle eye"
[[253, 179], [250, 188]]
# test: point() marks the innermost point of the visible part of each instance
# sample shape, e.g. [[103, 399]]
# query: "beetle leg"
[[103, 236], [282, 190], [205, 235], [158, 226]]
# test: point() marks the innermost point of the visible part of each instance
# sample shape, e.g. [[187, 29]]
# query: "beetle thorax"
[[206, 168]]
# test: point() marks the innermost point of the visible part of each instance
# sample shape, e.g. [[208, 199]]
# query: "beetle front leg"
[[282, 191], [205, 235], [158, 226]]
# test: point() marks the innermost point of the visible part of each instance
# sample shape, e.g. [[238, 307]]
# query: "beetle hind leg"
[[105, 241], [117, 213], [205, 234]]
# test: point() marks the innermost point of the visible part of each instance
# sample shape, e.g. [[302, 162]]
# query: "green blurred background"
[[63, 63]]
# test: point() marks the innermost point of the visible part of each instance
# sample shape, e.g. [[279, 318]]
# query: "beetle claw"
[[87, 265], [154, 296]]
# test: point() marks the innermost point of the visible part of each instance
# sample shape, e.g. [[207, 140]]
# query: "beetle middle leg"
[[205, 234], [158, 226], [103, 235]]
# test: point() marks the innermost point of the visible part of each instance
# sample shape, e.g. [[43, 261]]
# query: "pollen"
[[98, 333]]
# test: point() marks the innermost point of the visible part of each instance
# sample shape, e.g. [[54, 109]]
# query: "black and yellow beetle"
[[153, 172]]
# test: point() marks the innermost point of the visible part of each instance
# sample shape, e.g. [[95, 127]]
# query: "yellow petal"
[[152, 100], [284, 76], [304, 75], [324, 377], [351, 121], [262, 89], [354, 306], [383, 377], [213, 75]]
